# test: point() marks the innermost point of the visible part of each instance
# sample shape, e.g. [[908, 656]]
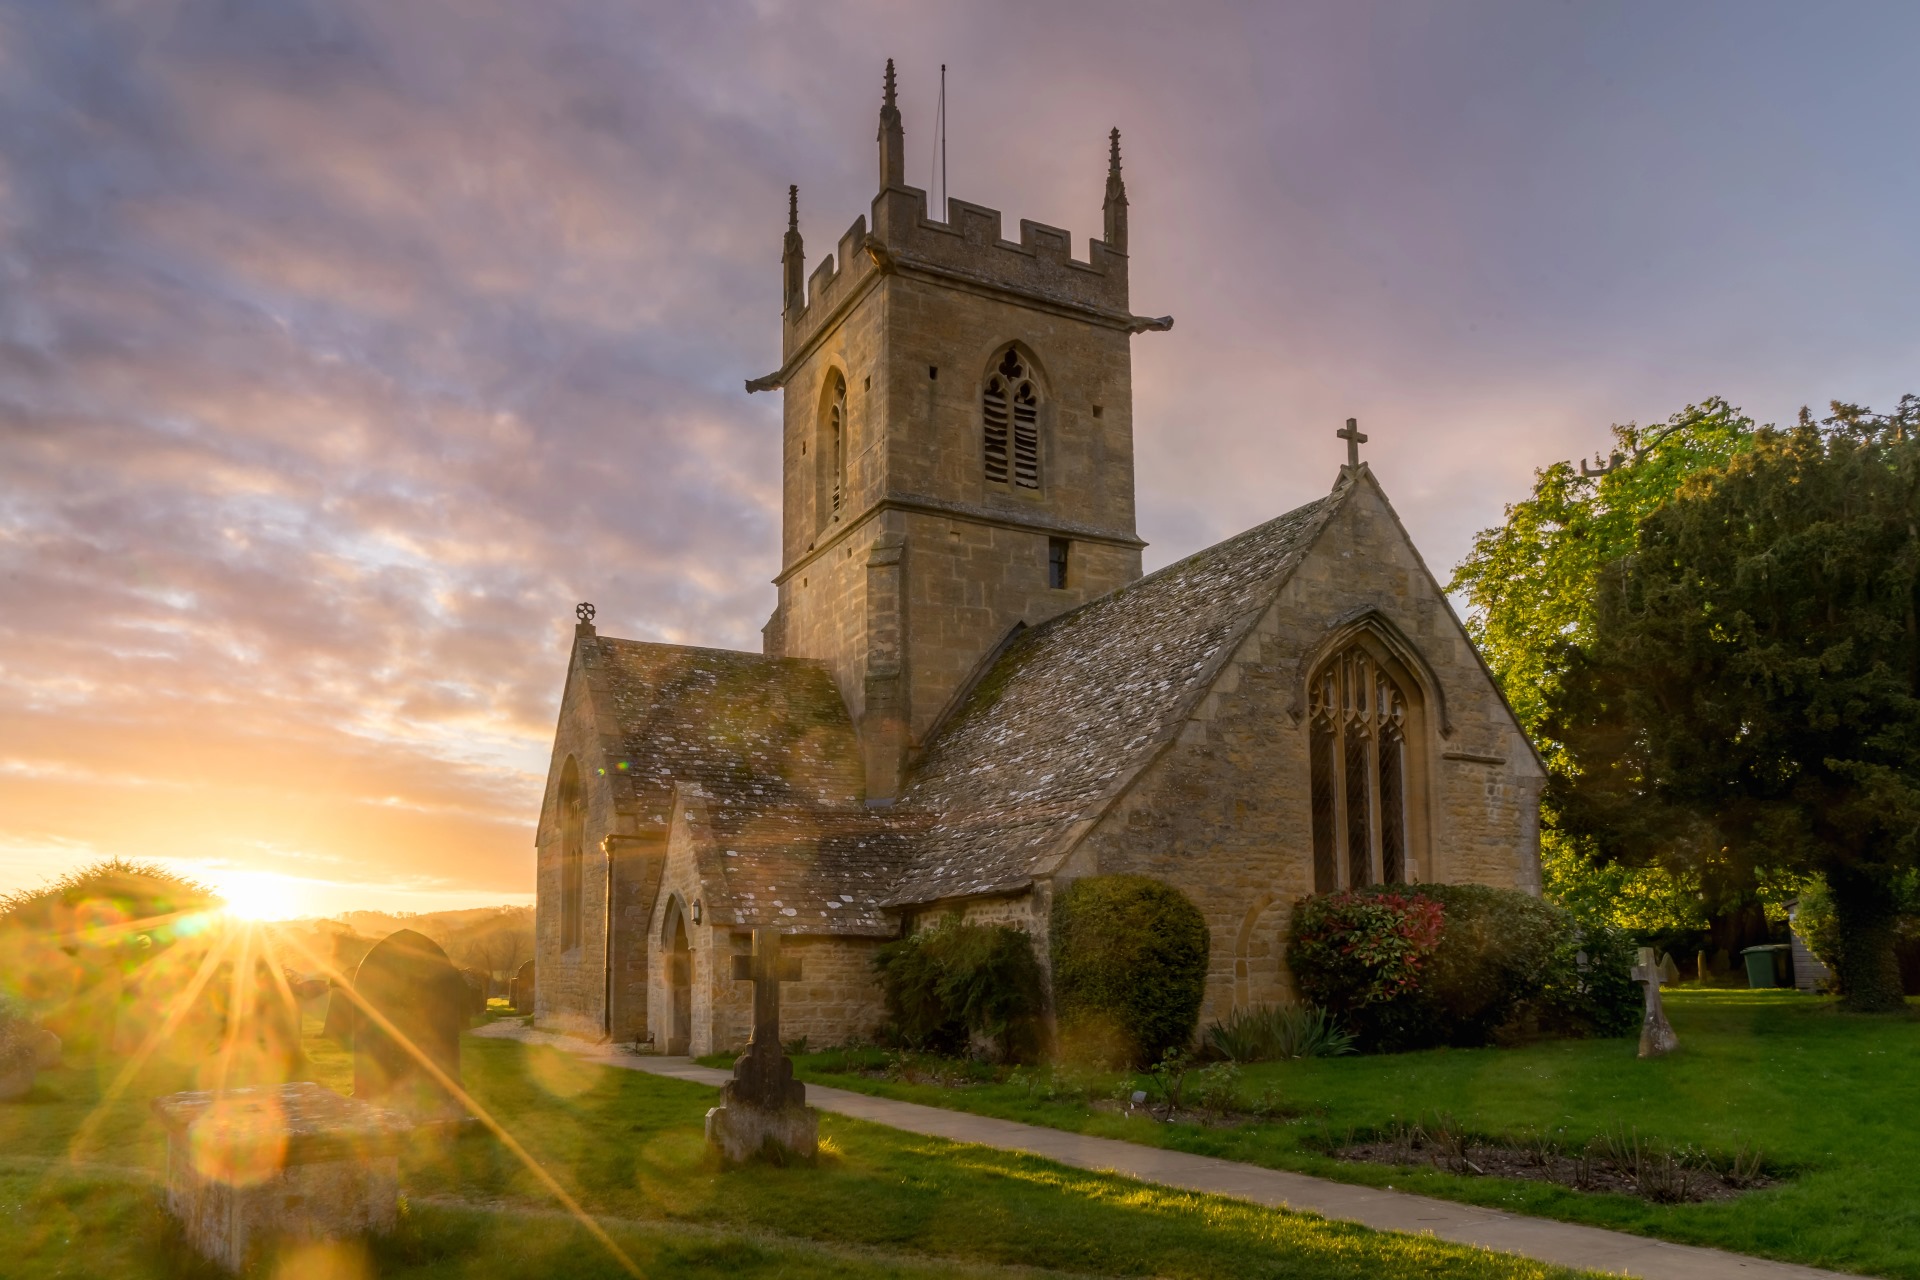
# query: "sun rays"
[[238, 978]]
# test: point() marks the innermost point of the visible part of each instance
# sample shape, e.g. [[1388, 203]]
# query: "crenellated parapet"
[[968, 250]]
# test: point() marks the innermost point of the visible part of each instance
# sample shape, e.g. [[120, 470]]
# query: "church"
[[968, 695]]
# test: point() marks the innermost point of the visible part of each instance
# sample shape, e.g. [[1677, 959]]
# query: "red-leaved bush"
[[1351, 950]]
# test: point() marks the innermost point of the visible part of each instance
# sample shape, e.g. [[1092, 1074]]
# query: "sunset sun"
[[259, 895]]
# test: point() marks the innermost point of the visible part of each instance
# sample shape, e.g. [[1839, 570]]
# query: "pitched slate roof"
[[1076, 706], [803, 870], [746, 729], [765, 749]]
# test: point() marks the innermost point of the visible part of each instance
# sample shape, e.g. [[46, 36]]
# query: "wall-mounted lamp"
[[696, 912]]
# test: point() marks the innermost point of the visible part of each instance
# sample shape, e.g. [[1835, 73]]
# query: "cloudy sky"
[[344, 346]]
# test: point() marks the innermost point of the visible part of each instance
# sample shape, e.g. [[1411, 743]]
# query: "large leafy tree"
[[1749, 690], [1531, 584]]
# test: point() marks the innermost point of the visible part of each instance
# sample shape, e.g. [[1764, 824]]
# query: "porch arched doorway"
[[678, 953]]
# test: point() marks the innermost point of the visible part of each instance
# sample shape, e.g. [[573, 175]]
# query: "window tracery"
[[836, 427], [1358, 747], [1010, 422]]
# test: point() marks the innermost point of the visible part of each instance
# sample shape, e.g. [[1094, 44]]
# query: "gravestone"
[[250, 1168], [1656, 1034], [412, 1005], [763, 1110], [476, 984], [520, 990], [1669, 971], [338, 1026]]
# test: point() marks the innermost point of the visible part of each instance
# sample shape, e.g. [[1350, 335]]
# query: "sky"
[[345, 346]]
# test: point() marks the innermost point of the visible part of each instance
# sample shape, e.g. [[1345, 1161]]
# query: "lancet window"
[[573, 832], [1010, 422], [836, 450], [1359, 743]]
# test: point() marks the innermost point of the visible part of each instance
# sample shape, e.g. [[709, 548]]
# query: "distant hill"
[[494, 940]]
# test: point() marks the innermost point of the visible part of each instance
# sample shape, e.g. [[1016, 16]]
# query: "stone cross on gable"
[[1354, 438], [766, 971], [1656, 1033]]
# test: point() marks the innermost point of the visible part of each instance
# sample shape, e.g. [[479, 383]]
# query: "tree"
[[1531, 585], [1750, 688]]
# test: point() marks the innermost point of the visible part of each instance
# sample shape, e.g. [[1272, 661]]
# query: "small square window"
[[933, 371], [1096, 411], [1057, 563]]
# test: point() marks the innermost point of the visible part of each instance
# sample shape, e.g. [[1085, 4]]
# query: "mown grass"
[[1833, 1100], [629, 1147]]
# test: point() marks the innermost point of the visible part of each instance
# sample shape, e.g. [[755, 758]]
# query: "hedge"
[[1503, 959], [955, 985], [1129, 967]]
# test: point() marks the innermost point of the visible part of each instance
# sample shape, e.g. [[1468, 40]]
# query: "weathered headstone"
[[338, 1026], [248, 1168], [1669, 971], [763, 1110], [1656, 1034], [477, 987], [414, 989], [520, 990]]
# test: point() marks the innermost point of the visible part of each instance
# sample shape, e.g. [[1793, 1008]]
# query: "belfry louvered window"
[[836, 450], [1358, 786], [1010, 423]]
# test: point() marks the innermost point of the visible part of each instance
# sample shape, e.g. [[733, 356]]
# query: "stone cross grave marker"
[[763, 1110], [1656, 1034], [408, 979]]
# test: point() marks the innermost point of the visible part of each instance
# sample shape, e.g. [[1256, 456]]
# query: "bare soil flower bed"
[[1619, 1162]]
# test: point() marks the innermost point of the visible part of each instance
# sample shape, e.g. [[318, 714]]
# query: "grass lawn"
[[629, 1147], [1830, 1098]]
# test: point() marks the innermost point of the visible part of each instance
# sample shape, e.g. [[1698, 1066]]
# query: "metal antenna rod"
[[943, 136]]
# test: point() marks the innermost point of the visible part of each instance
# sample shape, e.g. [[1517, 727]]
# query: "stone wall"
[[836, 998], [1223, 812], [570, 985], [914, 341]]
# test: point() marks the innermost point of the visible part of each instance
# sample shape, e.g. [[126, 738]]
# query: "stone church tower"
[[970, 697], [915, 542]]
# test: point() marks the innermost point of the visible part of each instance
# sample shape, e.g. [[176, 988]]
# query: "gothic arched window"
[[573, 835], [834, 451], [1010, 422], [1360, 719]]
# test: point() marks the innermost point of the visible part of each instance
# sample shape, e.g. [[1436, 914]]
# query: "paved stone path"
[[1565, 1243]]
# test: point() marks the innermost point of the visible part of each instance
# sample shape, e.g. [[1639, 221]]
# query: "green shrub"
[[1589, 988], [1129, 967], [955, 983], [89, 953], [1377, 973], [1351, 951], [1216, 1089], [1276, 1032]]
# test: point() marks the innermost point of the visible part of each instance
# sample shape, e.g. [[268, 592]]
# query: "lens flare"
[[259, 895]]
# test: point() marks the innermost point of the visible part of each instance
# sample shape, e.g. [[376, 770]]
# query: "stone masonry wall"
[[570, 985], [1223, 813], [835, 1000], [914, 345]]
